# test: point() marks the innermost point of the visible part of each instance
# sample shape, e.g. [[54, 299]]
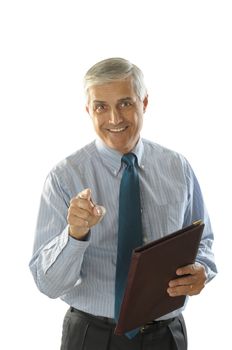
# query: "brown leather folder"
[[152, 267]]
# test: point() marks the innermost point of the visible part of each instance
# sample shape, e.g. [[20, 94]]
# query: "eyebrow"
[[98, 101], [125, 99], [120, 100]]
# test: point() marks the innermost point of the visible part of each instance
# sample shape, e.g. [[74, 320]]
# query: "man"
[[75, 251]]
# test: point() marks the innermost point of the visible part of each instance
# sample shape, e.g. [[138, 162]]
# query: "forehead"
[[112, 91]]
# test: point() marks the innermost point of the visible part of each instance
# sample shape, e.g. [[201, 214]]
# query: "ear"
[[87, 109], [145, 103]]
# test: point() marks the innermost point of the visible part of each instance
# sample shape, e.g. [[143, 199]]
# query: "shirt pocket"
[[160, 220]]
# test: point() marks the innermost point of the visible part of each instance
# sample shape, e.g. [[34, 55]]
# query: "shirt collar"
[[112, 158]]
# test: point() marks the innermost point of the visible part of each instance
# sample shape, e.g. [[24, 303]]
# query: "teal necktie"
[[130, 225]]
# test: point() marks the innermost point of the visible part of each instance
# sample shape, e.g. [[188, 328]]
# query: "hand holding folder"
[[152, 267]]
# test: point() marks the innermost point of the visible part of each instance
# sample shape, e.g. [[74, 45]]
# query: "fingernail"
[[171, 293], [99, 211], [85, 193]]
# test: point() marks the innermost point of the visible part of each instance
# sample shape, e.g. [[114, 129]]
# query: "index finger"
[[186, 270]]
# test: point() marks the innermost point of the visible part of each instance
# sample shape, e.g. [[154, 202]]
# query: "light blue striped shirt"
[[82, 273]]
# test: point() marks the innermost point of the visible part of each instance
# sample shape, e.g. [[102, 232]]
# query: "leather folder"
[[152, 266]]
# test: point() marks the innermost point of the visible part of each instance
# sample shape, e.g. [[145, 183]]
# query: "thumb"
[[85, 194]]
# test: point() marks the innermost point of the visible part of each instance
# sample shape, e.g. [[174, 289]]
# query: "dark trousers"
[[82, 331]]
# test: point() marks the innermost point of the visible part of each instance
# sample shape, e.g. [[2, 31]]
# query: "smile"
[[117, 129]]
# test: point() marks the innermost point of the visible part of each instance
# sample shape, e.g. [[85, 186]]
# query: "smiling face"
[[117, 114]]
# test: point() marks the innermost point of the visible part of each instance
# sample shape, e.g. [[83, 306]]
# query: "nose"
[[115, 117]]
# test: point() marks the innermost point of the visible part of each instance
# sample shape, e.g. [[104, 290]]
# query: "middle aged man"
[[76, 251]]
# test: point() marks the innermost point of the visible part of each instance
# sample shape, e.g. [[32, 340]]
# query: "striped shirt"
[[82, 273]]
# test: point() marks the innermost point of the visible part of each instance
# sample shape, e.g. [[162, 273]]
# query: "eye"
[[99, 108], [125, 104]]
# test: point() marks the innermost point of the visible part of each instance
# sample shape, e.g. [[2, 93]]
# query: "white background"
[[184, 50]]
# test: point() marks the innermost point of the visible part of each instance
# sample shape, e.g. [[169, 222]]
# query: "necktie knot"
[[129, 159]]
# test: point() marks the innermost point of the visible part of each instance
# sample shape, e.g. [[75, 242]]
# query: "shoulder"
[[155, 151], [69, 175], [164, 161], [76, 161]]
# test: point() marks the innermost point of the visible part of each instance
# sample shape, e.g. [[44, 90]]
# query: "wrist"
[[80, 234]]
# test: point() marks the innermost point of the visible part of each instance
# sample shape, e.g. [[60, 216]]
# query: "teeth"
[[117, 130]]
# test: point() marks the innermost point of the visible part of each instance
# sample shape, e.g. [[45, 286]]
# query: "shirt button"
[[145, 239]]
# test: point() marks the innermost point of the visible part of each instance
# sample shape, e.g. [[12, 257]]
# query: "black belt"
[[156, 324], [110, 321]]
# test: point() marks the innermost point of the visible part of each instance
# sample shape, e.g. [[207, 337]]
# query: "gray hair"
[[112, 69]]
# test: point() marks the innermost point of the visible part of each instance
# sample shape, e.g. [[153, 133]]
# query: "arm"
[[204, 269], [57, 258]]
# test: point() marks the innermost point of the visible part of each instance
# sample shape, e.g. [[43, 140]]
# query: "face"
[[117, 114]]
